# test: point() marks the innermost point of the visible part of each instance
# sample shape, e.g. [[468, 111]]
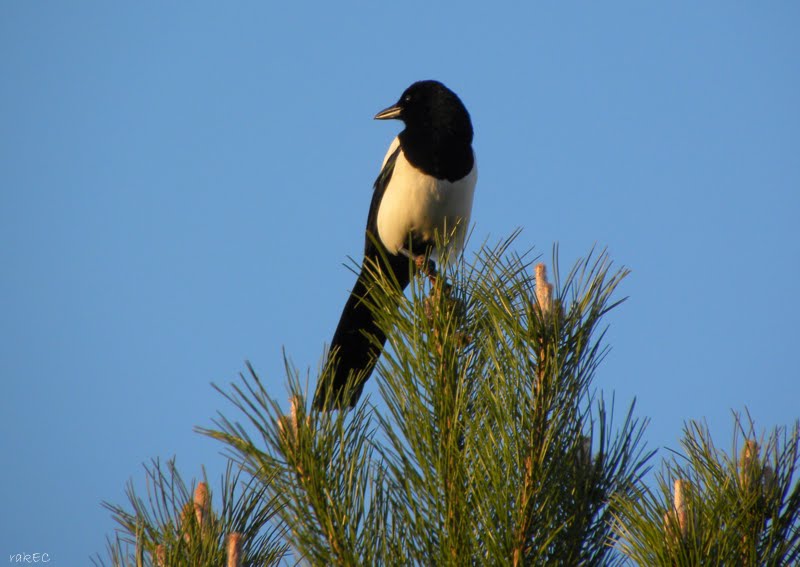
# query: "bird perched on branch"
[[424, 189]]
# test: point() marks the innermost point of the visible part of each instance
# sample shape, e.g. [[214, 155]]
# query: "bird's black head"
[[429, 106]]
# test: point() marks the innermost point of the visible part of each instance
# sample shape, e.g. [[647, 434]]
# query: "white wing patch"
[[417, 203], [392, 148]]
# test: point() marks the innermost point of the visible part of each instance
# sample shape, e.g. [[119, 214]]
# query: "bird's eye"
[[407, 98]]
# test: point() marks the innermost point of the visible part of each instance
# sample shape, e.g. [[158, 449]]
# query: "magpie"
[[425, 187]]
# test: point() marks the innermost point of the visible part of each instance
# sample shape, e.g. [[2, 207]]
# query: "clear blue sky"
[[180, 185]]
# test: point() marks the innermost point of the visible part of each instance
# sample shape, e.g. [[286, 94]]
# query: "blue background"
[[181, 183]]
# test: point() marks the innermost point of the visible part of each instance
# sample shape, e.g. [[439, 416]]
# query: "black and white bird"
[[425, 187]]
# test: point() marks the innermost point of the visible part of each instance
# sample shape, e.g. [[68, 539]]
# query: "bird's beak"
[[388, 113]]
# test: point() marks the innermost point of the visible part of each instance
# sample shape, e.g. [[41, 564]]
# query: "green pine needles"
[[714, 508], [486, 444], [178, 525]]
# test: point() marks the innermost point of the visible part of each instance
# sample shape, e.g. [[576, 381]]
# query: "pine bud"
[[235, 550], [681, 506], [544, 289], [288, 424], [676, 521], [749, 464], [161, 555], [202, 503], [288, 427]]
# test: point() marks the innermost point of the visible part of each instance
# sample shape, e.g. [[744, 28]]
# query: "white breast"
[[418, 203]]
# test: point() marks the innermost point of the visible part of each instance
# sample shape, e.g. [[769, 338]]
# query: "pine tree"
[[714, 508], [487, 444], [177, 525]]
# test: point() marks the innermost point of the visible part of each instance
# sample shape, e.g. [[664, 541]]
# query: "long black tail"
[[353, 348]]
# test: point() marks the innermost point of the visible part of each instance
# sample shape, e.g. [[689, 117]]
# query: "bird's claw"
[[422, 263], [426, 266]]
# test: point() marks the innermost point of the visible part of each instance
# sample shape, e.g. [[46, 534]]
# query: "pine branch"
[[490, 446], [487, 445], [177, 526], [715, 508]]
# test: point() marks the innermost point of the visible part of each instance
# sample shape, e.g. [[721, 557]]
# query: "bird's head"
[[429, 105]]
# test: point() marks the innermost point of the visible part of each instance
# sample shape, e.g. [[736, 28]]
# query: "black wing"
[[379, 188], [352, 348]]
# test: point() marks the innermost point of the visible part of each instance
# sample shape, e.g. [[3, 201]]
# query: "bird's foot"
[[422, 263], [426, 266]]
